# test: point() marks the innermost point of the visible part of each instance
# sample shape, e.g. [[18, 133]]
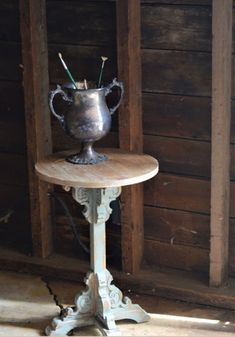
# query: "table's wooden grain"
[[121, 169]]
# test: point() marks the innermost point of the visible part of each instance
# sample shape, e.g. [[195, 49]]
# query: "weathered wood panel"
[[231, 257], [177, 227], [157, 146], [163, 27], [231, 260], [180, 116], [181, 227], [176, 27], [165, 229], [13, 169], [128, 15], [231, 237], [167, 115], [39, 145], [189, 257], [11, 195], [174, 116], [177, 72], [64, 239], [158, 253], [14, 209], [16, 143], [178, 155], [175, 155], [222, 22], [183, 156], [14, 199], [192, 194], [161, 224], [83, 61], [96, 23], [12, 118], [177, 116], [9, 23], [231, 267], [10, 61], [170, 116], [12, 101]]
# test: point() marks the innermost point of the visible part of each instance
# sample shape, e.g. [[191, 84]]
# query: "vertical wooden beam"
[[37, 117], [220, 160], [130, 127]]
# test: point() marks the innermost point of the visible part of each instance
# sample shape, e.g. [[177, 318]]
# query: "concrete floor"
[[27, 304]]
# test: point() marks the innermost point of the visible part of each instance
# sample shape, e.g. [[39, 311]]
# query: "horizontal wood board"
[[178, 72], [167, 115]]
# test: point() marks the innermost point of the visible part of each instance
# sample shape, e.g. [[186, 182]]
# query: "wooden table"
[[95, 186]]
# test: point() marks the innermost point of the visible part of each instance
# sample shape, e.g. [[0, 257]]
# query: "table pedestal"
[[102, 303]]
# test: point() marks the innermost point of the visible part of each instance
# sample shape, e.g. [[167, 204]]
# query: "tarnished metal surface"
[[87, 118]]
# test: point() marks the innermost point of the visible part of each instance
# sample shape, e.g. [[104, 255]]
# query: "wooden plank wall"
[[176, 42], [37, 119], [128, 24], [176, 71], [222, 26], [177, 47], [13, 171]]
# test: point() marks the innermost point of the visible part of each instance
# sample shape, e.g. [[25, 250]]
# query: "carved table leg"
[[102, 303]]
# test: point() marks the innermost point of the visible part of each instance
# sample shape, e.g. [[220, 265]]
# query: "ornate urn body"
[[87, 118]]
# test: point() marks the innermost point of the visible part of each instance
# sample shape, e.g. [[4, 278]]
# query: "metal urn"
[[87, 117]]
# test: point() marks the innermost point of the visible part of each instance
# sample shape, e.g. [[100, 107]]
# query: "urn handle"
[[51, 96], [108, 90]]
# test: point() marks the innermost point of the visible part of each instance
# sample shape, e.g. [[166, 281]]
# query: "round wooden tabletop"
[[121, 169]]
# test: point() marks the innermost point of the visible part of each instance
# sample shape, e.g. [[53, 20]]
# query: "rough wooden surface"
[[220, 155], [130, 127], [160, 29], [121, 169], [35, 82], [101, 32]]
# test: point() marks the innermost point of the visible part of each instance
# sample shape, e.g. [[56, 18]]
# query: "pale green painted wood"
[[102, 303]]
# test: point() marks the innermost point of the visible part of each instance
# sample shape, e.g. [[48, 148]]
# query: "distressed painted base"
[[102, 303]]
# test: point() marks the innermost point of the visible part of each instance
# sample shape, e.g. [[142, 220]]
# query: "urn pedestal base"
[[86, 156]]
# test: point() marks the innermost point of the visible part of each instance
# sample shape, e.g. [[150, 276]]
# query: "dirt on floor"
[[28, 303]]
